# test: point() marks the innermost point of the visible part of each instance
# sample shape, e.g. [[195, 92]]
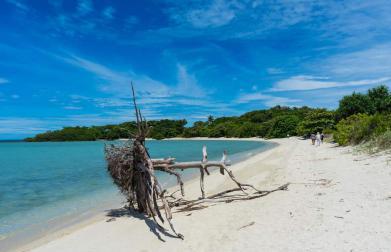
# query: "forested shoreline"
[[359, 117], [275, 122]]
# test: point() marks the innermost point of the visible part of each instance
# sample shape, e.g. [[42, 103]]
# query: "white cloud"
[[117, 82], [355, 22], [282, 101], [101, 71], [14, 125], [15, 96], [188, 84], [217, 13], [307, 82], [3, 81], [245, 98], [374, 61], [266, 99], [239, 19], [154, 97]]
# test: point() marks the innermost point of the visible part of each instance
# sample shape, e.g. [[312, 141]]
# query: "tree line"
[[276, 122]]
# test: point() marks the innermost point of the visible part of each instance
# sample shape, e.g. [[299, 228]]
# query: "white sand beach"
[[337, 201]]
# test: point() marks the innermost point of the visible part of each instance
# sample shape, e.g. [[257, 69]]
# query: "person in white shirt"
[[318, 139]]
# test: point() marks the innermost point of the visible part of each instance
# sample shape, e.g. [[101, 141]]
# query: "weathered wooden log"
[[133, 171], [193, 164], [163, 161], [178, 176]]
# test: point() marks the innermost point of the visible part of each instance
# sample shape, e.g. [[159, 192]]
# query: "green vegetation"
[[382, 142], [270, 123], [319, 120], [377, 100], [275, 122], [365, 118], [359, 118], [159, 129], [361, 127]]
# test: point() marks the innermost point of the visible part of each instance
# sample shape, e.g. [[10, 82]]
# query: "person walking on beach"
[[318, 139], [312, 137], [321, 137]]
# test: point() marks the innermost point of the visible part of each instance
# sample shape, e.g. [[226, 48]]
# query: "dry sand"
[[336, 201]]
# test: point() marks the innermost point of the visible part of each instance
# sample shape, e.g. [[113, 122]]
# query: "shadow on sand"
[[157, 230]]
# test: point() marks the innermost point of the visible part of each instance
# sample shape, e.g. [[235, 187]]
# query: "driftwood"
[[133, 171]]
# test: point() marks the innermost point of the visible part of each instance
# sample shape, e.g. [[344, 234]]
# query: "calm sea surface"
[[42, 182]]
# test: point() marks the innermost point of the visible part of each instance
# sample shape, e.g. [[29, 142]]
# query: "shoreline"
[[337, 200], [66, 225]]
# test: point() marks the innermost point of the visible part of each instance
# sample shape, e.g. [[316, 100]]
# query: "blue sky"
[[65, 62]]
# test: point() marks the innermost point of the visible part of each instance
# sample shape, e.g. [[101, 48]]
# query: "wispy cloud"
[[188, 84], [215, 14], [15, 125], [239, 19], [85, 20], [373, 61], [301, 49], [268, 100], [119, 82], [306, 82], [154, 96]]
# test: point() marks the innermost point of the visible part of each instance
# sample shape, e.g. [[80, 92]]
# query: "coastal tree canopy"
[[318, 120], [278, 121], [376, 100], [275, 122]]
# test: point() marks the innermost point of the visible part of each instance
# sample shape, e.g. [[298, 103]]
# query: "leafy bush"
[[380, 123], [361, 127], [350, 130]]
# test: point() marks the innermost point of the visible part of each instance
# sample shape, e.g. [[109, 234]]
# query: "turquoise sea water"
[[43, 182]]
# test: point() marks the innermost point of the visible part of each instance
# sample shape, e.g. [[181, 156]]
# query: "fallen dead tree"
[[133, 171]]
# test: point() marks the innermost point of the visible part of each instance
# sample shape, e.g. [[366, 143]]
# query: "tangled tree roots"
[[133, 171]]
